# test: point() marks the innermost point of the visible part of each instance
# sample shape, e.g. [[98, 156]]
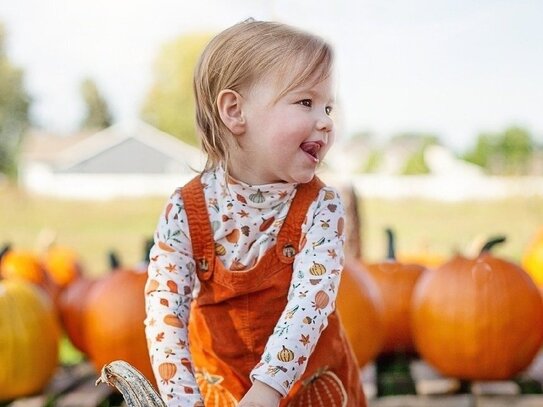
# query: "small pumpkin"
[[323, 389], [396, 282], [29, 334], [213, 393], [478, 318], [317, 269], [24, 264], [62, 264], [285, 354]]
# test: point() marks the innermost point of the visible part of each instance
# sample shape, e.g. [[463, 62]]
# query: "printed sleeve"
[[312, 294], [168, 295]]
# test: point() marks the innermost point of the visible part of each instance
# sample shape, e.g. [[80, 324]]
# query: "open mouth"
[[312, 149]]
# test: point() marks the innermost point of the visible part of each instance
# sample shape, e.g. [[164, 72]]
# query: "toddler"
[[248, 256]]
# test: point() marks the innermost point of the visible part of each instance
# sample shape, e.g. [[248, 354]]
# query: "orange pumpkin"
[[360, 307], [213, 393], [323, 389], [396, 282], [113, 321], [62, 264], [71, 306], [478, 318], [24, 264]]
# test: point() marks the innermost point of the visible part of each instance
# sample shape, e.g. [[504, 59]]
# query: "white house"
[[124, 160]]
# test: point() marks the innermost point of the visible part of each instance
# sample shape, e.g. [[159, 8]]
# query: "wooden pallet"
[[72, 386], [413, 383]]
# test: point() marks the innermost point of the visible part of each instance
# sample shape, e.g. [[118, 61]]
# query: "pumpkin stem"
[[391, 245], [114, 261], [6, 248], [147, 249], [491, 243]]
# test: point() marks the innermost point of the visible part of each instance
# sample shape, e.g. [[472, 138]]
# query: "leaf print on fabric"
[[166, 247], [304, 339], [233, 236], [173, 320], [172, 286], [167, 211], [241, 198], [245, 230]]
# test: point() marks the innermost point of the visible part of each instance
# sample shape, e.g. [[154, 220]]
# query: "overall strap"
[[201, 234], [289, 236]]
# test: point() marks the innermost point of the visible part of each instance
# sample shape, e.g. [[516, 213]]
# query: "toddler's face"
[[285, 139]]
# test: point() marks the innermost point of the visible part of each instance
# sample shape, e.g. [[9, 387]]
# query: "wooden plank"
[[65, 378], [495, 388], [86, 395], [528, 400], [457, 400], [429, 382]]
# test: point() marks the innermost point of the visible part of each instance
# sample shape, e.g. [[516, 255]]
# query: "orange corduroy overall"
[[236, 311]]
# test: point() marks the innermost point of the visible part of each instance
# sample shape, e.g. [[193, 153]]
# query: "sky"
[[449, 67]]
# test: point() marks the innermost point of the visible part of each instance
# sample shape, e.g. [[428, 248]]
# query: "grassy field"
[[94, 228]]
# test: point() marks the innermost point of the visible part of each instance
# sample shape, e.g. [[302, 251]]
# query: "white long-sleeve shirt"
[[257, 213]]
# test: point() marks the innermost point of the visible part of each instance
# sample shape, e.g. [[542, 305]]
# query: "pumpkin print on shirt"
[[245, 221]]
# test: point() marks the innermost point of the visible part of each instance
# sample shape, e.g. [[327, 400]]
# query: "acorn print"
[[307, 320], [173, 320], [325, 224], [317, 269], [257, 197], [245, 230], [285, 354], [321, 300], [220, 250]]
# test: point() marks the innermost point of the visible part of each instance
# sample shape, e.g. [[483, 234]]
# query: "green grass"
[[94, 228]]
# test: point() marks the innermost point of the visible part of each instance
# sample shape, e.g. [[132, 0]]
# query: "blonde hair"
[[240, 56]]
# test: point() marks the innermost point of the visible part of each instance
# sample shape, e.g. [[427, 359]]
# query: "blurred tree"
[[485, 148], [169, 104], [97, 115], [505, 153], [516, 148], [14, 111]]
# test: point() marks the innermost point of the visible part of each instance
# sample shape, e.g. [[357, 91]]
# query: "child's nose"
[[325, 123]]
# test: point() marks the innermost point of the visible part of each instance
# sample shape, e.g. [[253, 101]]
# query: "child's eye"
[[305, 102], [328, 110]]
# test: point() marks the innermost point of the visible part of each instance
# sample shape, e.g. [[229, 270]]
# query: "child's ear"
[[231, 112]]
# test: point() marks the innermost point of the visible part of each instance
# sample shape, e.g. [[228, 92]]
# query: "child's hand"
[[260, 395]]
